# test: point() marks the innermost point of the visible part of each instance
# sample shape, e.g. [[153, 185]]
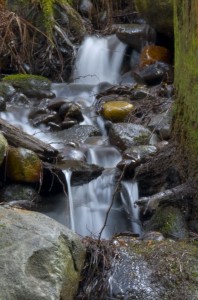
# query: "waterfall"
[[68, 174], [99, 59], [129, 195]]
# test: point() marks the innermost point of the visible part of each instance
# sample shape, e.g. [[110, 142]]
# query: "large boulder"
[[158, 14], [39, 258]]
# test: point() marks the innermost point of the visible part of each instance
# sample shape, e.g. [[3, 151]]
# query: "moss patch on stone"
[[174, 265]]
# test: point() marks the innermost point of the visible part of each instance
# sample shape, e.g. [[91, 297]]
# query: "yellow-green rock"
[[23, 165], [3, 147], [116, 111]]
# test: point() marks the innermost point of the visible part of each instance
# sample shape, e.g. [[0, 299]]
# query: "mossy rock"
[[158, 13], [169, 221], [30, 85], [155, 270], [3, 147], [116, 111], [23, 165]]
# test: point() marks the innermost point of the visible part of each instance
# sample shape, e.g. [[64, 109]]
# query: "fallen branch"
[[177, 195], [19, 138]]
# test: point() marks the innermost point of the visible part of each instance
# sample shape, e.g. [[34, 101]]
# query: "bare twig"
[[111, 204]]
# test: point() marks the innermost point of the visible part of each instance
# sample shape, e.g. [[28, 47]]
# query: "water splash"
[[99, 59]]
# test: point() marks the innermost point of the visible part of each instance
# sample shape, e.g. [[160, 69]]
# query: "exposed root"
[[94, 278]]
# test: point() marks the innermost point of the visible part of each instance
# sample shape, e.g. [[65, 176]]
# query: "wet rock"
[[169, 221], [158, 14], [43, 258], [154, 74], [6, 90], [30, 85], [133, 157], [71, 111], [23, 165], [152, 53], [86, 9], [81, 172], [161, 124], [116, 111], [77, 134], [45, 118], [58, 114], [67, 123], [153, 270], [3, 147], [2, 104], [125, 135], [19, 98], [54, 104], [19, 192], [135, 35]]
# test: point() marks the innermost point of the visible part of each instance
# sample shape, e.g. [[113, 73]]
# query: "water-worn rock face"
[[135, 35], [39, 258], [125, 135], [154, 270]]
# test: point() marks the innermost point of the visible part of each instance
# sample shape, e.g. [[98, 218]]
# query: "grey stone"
[[39, 258], [125, 135]]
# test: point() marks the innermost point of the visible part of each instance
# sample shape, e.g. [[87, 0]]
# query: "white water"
[[99, 59], [129, 195], [68, 175], [89, 203]]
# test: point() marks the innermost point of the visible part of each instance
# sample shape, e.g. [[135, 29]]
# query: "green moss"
[[142, 139], [169, 221], [186, 81], [23, 77], [174, 265], [28, 84]]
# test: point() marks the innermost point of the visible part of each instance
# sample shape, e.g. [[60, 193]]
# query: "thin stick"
[[111, 204]]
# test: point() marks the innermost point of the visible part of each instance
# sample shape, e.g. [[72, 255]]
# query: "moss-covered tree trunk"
[[185, 123]]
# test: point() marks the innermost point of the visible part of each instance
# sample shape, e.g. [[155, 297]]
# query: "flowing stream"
[[98, 60]]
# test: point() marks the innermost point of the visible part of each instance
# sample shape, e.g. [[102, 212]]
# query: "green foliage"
[[48, 12]]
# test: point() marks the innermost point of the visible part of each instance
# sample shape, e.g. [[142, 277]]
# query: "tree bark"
[[19, 138], [185, 124]]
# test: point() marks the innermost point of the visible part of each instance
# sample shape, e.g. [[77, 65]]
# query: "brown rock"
[[151, 54]]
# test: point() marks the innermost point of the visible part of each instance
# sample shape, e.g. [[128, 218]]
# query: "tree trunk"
[[185, 124]]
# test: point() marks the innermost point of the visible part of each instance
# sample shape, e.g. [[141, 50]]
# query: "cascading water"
[[129, 195], [98, 60]]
